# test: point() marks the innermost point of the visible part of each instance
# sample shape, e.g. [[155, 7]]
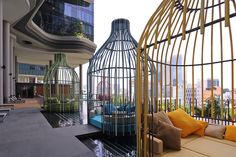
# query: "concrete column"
[[1, 52], [16, 69], [80, 78], [35, 79], [14, 72], [11, 65], [6, 61], [12, 39]]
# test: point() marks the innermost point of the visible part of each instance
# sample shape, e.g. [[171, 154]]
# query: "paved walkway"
[[26, 133]]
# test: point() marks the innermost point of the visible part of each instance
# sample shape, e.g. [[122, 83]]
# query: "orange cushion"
[[182, 120], [201, 131], [230, 133]]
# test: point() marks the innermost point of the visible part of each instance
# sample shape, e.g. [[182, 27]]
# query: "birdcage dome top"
[[61, 71], [118, 52], [190, 36]]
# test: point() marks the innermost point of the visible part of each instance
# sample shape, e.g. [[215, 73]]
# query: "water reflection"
[[57, 120], [112, 147], [83, 111], [65, 123]]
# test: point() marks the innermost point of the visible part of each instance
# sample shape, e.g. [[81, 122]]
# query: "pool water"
[[112, 146], [57, 120]]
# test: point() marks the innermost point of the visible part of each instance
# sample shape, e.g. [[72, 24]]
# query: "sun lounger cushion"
[[230, 133], [182, 120], [162, 116], [201, 131], [216, 131], [195, 146], [210, 147], [156, 144], [170, 135], [109, 108], [159, 116]]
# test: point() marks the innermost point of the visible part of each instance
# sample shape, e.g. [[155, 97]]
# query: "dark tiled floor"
[[26, 133]]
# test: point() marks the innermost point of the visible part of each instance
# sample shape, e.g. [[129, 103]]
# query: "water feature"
[[112, 146], [57, 120]]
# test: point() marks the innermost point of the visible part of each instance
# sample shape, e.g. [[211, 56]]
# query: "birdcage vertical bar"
[[227, 12], [212, 66], [184, 20], [221, 68], [202, 16]]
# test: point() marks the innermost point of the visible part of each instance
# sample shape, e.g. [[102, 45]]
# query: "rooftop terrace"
[[25, 132]]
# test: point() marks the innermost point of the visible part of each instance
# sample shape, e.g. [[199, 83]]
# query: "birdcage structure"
[[111, 82], [191, 43], [61, 87]]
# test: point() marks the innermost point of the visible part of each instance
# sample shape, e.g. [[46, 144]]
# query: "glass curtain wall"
[[67, 17]]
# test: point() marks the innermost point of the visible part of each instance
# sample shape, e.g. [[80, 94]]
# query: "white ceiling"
[[33, 56], [13, 10]]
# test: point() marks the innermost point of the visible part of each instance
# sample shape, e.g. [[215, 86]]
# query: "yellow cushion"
[[182, 120], [201, 131], [230, 133]]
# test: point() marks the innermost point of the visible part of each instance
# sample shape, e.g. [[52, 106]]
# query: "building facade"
[[216, 83], [30, 73], [32, 32], [197, 94], [65, 17], [177, 60]]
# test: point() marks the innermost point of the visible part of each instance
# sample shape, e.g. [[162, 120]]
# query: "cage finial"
[[226, 13], [202, 16], [184, 20], [170, 19]]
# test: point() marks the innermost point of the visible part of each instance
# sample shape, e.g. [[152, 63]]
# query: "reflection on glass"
[[66, 17]]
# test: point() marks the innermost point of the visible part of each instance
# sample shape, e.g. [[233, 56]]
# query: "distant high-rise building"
[[180, 70], [216, 83], [197, 94]]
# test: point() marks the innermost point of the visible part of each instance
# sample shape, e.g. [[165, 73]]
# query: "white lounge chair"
[[11, 106], [14, 99], [2, 116], [5, 110]]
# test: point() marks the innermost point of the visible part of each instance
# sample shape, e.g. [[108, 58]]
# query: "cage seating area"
[[190, 46], [178, 134], [61, 87], [111, 82]]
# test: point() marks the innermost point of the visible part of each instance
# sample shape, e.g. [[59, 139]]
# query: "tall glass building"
[[66, 17], [32, 31]]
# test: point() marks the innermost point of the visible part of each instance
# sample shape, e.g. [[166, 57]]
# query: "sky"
[[137, 12]]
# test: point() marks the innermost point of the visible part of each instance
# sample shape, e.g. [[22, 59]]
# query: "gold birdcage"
[[190, 43]]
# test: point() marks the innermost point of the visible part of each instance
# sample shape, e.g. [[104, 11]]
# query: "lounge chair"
[[2, 116], [5, 110], [14, 99]]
